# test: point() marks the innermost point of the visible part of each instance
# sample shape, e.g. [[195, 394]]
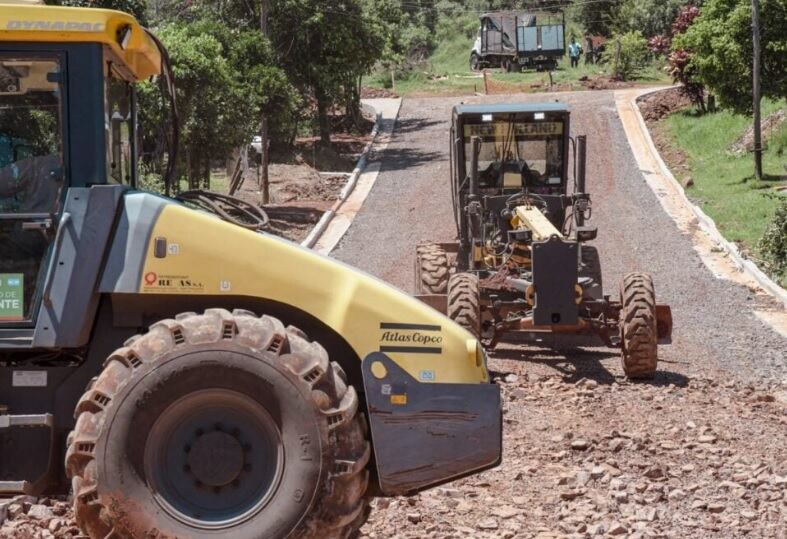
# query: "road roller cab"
[[177, 372]]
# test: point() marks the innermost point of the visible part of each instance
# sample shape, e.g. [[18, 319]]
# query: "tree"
[[679, 64], [628, 53], [225, 80], [138, 8], [325, 48], [598, 18], [651, 17], [721, 44]]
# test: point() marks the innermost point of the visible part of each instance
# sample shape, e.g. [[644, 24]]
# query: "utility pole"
[[265, 196], [756, 90]]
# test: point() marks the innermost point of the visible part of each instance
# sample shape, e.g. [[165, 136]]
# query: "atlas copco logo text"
[[411, 338], [56, 26]]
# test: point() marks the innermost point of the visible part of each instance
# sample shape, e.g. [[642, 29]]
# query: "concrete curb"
[[707, 224], [322, 225]]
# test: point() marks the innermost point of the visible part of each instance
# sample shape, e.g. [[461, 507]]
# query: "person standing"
[[574, 52]]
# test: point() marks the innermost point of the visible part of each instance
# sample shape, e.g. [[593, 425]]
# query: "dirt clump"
[[770, 125], [659, 105], [377, 93]]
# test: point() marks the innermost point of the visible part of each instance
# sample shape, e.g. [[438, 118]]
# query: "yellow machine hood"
[[172, 250]]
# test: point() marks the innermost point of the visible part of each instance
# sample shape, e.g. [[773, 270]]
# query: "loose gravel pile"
[[588, 459], [26, 517]]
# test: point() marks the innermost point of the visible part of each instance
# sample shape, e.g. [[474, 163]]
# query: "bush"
[[773, 245], [633, 55]]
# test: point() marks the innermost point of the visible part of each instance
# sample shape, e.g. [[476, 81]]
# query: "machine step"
[[15, 487], [42, 420], [15, 338]]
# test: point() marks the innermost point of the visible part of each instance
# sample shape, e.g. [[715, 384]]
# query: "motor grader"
[[523, 266], [179, 375]]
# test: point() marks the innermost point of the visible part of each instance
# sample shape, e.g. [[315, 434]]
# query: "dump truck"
[[515, 41], [524, 266], [179, 375]]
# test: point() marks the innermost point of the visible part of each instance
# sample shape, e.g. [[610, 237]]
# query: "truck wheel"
[[464, 302], [638, 330], [431, 269], [475, 62], [219, 424]]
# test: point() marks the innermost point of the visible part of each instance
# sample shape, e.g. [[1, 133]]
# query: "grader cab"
[[154, 359], [523, 263]]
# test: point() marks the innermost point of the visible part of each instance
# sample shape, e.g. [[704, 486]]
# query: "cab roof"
[[23, 23], [510, 108]]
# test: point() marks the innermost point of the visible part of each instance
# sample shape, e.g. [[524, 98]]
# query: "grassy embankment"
[[447, 70], [724, 184]]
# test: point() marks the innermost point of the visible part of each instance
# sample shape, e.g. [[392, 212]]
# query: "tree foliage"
[[225, 80], [138, 8], [650, 17], [720, 41], [632, 55], [773, 244], [679, 64]]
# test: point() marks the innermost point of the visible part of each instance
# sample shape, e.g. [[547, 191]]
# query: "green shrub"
[[773, 245], [633, 55]]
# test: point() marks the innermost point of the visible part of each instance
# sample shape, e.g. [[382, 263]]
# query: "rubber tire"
[[475, 62], [591, 267], [111, 497], [638, 326], [464, 302], [431, 269]]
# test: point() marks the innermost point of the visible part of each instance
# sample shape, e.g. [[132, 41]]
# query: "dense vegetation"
[[310, 66]]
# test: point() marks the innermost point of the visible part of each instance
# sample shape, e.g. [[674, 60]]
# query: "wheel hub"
[[216, 458]]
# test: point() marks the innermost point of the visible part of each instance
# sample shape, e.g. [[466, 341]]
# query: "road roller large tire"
[[464, 302], [219, 425], [431, 269], [638, 326]]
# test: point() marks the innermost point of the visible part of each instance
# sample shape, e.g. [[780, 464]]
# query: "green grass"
[[724, 185], [447, 72]]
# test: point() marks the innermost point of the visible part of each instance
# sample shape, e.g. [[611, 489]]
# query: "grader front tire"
[[638, 326], [432, 270], [464, 302], [219, 423]]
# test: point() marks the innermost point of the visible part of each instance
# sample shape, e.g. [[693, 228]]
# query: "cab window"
[[31, 177], [119, 126]]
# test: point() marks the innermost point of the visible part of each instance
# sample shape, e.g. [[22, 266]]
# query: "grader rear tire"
[[219, 424], [638, 326], [464, 302], [431, 269]]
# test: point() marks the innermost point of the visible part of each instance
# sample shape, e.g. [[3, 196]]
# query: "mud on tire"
[[432, 270], [638, 326], [464, 302], [259, 392]]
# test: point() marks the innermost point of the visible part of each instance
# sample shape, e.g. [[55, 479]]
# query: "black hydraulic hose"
[[228, 208], [168, 89]]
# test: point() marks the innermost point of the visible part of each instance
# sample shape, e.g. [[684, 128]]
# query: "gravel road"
[[716, 330], [700, 451]]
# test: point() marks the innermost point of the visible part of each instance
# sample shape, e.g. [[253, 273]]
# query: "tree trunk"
[[264, 187], [322, 116]]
